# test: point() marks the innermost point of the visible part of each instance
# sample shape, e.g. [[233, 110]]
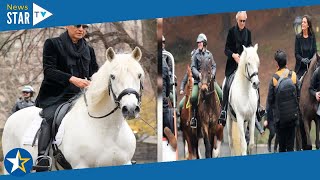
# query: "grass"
[[147, 116]]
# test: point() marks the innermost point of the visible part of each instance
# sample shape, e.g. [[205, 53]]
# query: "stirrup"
[[193, 122], [223, 118], [40, 160]]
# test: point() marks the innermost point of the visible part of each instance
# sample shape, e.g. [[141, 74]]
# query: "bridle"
[[116, 99], [248, 75]]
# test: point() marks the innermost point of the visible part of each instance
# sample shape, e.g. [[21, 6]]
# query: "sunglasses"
[[25, 92], [243, 21], [81, 25]]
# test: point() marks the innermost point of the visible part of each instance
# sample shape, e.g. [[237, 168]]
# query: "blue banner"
[[299, 165], [94, 11]]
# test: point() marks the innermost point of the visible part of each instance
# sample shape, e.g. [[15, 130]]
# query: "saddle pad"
[[31, 131]]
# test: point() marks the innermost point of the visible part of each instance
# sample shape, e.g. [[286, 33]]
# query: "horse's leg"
[[251, 129], [189, 146], [216, 150], [229, 128], [207, 143], [219, 138], [298, 140], [307, 130], [243, 142]]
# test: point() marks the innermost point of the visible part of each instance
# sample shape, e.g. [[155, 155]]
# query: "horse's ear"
[[136, 53], [110, 54], [256, 47]]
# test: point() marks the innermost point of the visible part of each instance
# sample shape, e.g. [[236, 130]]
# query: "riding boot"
[[193, 122], [43, 143], [223, 115], [269, 144]]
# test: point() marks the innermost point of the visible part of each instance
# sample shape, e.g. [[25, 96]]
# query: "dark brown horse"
[[308, 104], [190, 136], [208, 111]]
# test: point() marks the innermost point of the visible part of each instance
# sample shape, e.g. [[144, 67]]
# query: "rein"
[[248, 76]]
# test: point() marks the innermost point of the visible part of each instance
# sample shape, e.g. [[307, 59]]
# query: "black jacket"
[[197, 59], [166, 84], [315, 83], [184, 82], [58, 68], [272, 94], [304, 48], [235, 40]]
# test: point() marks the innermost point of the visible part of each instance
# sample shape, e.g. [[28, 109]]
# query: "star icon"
[[17, 161]]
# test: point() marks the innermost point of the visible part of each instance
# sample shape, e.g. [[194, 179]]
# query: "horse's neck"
[[104, 106], [241, 80]]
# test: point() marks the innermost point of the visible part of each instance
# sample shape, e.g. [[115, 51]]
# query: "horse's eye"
[[112, 77], [139, 76]]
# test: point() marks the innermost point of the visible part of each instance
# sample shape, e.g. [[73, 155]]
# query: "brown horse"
[[190, 135], [208, 111], [308, 104]]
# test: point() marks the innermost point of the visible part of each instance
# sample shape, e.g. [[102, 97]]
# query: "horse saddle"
[[61, 111]]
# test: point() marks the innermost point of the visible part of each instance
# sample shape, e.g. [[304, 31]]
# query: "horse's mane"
[[249, 54], [312, 67]]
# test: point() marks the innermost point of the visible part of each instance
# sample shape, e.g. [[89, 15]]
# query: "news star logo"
[[18, 14], [18, 162]]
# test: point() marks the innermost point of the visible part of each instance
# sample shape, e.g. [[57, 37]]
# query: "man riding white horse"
[[68, 63], [238, 36]]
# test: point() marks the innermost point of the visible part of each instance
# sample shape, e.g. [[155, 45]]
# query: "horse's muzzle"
[[255, 85], [130, 112]]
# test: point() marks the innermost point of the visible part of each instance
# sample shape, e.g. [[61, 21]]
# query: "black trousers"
[[46, 127], [286, 138], [272, 134]]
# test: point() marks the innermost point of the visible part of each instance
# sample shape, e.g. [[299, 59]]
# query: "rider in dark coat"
[[68, 64], [238, 36]]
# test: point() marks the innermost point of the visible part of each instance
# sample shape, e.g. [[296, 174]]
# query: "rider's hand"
[[265, 123], [181, 92], [81, 83], [236, 57], [318, 96]]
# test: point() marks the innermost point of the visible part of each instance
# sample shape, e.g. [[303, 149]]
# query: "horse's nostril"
[[125, 110], [137, 110]]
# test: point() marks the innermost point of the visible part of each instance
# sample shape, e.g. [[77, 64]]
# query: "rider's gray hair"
[[241, 12]]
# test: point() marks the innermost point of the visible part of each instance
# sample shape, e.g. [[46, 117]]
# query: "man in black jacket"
[[68, 64], [168, 122], [238, 36], [285, 110], [314, 88]]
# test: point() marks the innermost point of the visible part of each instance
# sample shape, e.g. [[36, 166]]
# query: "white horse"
[[243, 99], [89, 141]]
